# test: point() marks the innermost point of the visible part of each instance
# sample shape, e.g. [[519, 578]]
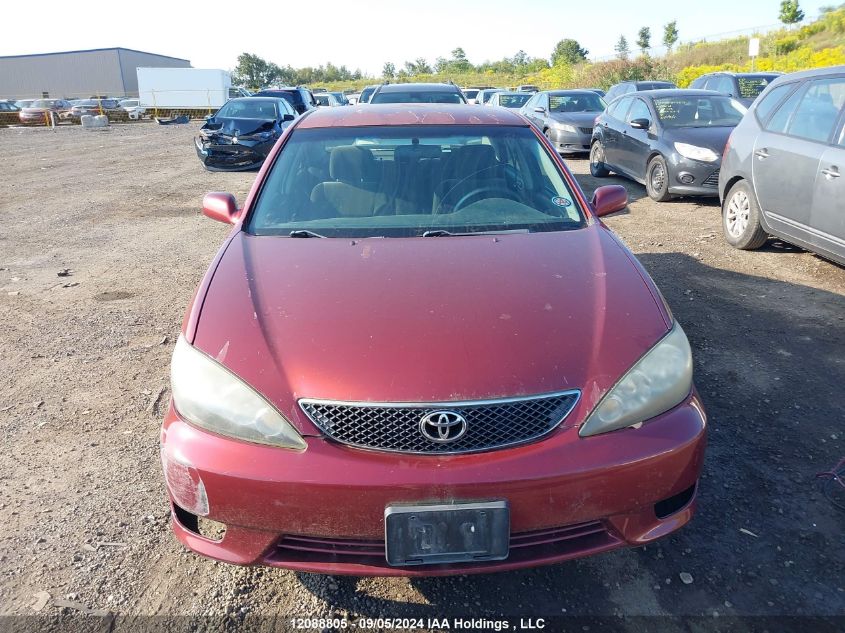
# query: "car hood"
[[428, 319], [237, 127], [713, 138], [580, 119]]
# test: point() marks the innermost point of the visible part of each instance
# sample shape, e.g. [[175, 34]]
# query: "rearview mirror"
[[609, 199], [641, 124], [221, 207]]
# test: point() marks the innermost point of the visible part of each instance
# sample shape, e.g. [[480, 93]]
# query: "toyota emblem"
[[443, 426]]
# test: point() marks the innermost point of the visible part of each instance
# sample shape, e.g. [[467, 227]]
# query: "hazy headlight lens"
[[657, 382], [565, 127], [696, 153], [209, 396]]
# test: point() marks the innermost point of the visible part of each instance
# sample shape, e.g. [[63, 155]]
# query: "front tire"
[[598, 169], [657, 179], [741, 218]]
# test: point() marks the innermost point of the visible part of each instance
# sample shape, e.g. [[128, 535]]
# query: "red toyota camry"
[[420, 352]]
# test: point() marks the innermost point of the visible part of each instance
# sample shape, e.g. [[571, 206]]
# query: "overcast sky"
[[363, 34]]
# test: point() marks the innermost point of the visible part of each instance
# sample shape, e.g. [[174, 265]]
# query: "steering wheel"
[[494, 191]]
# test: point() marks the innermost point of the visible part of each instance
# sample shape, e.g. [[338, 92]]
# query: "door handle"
[[831, 173], [762, 154]]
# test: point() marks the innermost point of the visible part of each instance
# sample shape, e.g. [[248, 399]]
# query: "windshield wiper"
[[304, 233], [445, 233]]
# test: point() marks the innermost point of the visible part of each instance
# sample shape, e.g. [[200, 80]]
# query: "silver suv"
[[783, 166]]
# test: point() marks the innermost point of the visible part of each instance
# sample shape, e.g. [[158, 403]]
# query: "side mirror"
[[208, 117], [288, 117], [539, 109], [641, 124], [222, 207], [609, 199]]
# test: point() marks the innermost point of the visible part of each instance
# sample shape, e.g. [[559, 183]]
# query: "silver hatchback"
[[782, 168]]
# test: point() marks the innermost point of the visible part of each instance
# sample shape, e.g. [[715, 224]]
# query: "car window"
[[770, 101], [404, 180], [699, 82], [698, 111], [816, 114], [750, 86], [432, 96], [780, 119], [511, 100], [587, 102], [619, 108], [639, 110], [322, 99], [248, 108], [722, 84]]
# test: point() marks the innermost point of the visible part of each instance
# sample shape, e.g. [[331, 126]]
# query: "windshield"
[[365, 95], [581, 102], [470, 94], [513, 101], [750, 86], [248, 108], [417, 96], [44, 103], [697, 111], [406, 180]]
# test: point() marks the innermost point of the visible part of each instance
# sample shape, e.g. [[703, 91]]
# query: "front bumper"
[[570, 142], [322, 510], [242, 156], [704, 177]]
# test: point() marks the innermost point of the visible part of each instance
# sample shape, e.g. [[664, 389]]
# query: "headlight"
[[657, 382], [696, 153], [211, 397], [565, 127]]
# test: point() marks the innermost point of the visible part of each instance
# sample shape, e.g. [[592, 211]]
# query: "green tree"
[[389, 70], [459, 62], [568, 52], [644, 40], [670, 35], [621, 48], [255, 73], [790, 12]]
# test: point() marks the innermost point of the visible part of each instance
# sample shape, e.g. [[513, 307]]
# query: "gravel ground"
[[101, 247]]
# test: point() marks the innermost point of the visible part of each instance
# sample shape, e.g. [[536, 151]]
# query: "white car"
[[133, 108], [470, 94], [326, 100]]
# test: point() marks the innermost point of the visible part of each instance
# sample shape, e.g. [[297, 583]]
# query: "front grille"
[[712, 180], [586, 130], [566, 541], [397, 427]]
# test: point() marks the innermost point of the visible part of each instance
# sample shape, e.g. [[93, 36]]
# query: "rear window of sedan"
[[404, 181]]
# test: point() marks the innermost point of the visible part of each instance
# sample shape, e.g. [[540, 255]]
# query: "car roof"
[[815, 72], [252, 99], [416, 87], [390, 114]]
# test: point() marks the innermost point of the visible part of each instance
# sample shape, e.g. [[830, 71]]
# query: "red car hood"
[[428, 319]]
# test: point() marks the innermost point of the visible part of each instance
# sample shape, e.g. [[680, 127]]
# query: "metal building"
[[78, 74]]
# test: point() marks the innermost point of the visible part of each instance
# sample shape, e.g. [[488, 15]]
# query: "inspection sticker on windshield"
[[560, 201]]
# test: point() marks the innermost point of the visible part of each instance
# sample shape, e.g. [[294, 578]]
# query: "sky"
[[365, 34]]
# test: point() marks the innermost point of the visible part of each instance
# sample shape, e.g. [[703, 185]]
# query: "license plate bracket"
[[446, 533]]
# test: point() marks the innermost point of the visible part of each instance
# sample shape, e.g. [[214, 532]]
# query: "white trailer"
[[188, 90]]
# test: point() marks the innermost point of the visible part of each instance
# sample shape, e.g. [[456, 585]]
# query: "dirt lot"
[[84, 378]]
